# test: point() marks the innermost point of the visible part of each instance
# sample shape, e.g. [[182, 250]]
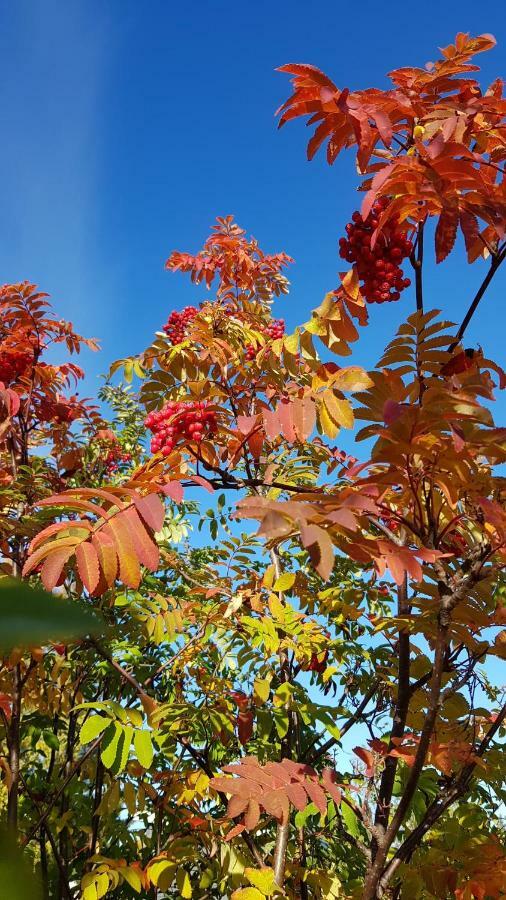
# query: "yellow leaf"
[[249, 893], [291, 342], [132, 878], [329, 672], [162, 873], [277, 608], [351, 378], [339, 410], [263, 879], [269, 576], [261, 690], [327, 425], [183, 883], [284, 582], [129, 795]]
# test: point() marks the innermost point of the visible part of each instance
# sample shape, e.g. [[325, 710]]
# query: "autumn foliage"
[[311, 710]]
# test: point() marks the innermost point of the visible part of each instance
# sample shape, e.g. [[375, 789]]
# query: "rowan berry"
[[378, 267]]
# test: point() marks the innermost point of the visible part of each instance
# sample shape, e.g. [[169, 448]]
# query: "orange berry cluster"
[[378, 267], [176, 326], [274, 330], [14, 363], [189, 420]]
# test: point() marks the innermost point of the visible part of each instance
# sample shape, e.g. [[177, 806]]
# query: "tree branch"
[[448, 796], [495, 262], [357, 715], [400, 715], [417, 263]]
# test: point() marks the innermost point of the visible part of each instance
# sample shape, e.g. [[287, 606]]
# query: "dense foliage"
[[309, 711]]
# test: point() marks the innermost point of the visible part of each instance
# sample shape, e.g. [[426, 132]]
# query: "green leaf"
[[50, 739], [116, 747], [143, 748], [281, 722], [91, 729], [303, 815], [350, 820], [30, 616]]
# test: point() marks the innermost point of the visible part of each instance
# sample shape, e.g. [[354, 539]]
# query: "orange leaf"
[[106, 551], [87, 564], [368, 758], [52, 568], [129, 568], [320, 548], [146, 549]]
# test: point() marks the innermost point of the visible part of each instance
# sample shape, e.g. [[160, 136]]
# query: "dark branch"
[[495, 262]]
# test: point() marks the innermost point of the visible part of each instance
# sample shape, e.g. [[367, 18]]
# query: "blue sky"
[[127, 127]]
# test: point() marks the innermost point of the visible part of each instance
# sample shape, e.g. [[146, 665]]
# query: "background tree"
[[368, 604]]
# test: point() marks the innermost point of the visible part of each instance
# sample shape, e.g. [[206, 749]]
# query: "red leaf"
[[285, 415], [129, 569], [393, 411], [470, 230], [236, 805], [256, 443], [296, 795], [252, 815], [317, 795], [174, 490], [272, 424], [446, 232], [198, 479], [234, 832], [330, 783], [152, 511], [246, 424], [304, 417], [276, 804], [245, 725]]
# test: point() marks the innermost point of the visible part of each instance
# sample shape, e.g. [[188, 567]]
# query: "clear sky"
[[128, 126]]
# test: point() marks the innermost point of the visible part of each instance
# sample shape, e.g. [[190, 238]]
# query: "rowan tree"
[[308, 711]]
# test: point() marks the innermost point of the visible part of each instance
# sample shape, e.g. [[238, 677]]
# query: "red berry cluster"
[[274, 330], [188, 420], [379, 268], [115, 459], [14, 363], [177, 324]]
